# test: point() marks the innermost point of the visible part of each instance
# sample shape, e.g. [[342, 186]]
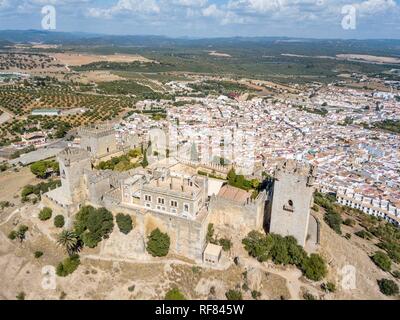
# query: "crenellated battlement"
[[297, 168], [70, 155], [97, 131]]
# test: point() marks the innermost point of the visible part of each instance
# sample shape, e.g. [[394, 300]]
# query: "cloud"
[[372, 7], [126, 6]]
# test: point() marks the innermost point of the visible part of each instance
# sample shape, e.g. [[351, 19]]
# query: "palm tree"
[[70, 241]]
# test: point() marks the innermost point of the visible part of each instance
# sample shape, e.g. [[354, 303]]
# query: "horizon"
[[308, 19], [190, 37]]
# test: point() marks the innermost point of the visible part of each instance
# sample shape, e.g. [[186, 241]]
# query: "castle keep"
[[292, 199]]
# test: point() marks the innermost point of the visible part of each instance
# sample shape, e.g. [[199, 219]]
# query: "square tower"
[[99, 140], [73, 164], [292, 199]]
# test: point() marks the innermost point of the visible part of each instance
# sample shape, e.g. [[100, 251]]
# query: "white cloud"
[[371, 7], [190, 3], [126, 6]]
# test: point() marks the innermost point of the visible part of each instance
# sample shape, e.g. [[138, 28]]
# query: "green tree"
[[45, 214], [258, 246], [382, 260], [388, 287], [158, 243], [39, 169], [145, 162], [231, 176], [174, 294], [59, 221], [124, 223], [92, 225], [70, 241]]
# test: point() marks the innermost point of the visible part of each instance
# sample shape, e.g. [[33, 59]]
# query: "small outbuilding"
[[212, 254]]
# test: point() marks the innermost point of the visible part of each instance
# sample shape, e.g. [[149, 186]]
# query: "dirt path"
[[293, 281]]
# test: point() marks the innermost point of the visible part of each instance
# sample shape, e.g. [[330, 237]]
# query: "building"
[[99, 140], [238, 209], [292, 199], [212, 254], [376, 207], [46, 112], [36, 139]]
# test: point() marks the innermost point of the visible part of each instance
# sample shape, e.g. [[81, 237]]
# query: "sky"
[[212, 18]]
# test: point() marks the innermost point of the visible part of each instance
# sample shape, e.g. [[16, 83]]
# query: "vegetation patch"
[[93, 225], [158, 243], [45, 214], [284, 251], [174, 294], [124, 223], [388, 287], [68, 266], [59, 221]]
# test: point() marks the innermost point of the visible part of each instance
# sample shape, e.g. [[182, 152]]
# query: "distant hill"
[[298, 45]]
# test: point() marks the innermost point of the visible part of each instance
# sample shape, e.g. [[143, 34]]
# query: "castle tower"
[[292, 199], [73, 163], [99, 140]]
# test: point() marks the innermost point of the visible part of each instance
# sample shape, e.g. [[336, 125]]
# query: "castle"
[[173, 197]]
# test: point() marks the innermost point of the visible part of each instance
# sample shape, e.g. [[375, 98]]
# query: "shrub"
[[59, 221], [234, 295], [21, 296], [68, 266], [158, 244], [226, 244], [396, 274], [131, 288], [12, 235], [255, 294], [388, 287], [309, 296], [314, 267], [334, 220], [21, 232], [349, 222], [124, 223], [174, 294], [328, 287], [382, 260], [45, 214], [392, 249], [210, 233], [38, 254], [364, 234]]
